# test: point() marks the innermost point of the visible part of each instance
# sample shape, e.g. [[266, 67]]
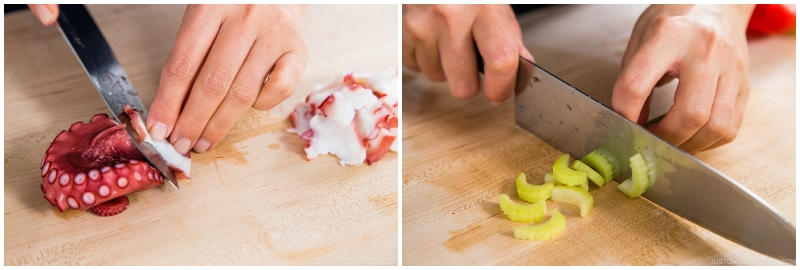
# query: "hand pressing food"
[[225, 60], [704, 46]]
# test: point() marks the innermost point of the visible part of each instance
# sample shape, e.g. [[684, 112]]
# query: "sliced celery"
[[584, 186], [600, 163], [565, 175], [522, 212], [639, 173], [574, 196], [549, 178], [640, 178], [544, 231], [532, 193], [628, 188], [591, 174]]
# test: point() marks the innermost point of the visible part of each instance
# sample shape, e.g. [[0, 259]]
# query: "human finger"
[[195, 36], [645, 67], [741, 104], [409, 59], [721, 120], [240, 97], [224, 60], [694, 98], [460, 63], [46, 13], [428, 59], [498, 45], [282, 80]]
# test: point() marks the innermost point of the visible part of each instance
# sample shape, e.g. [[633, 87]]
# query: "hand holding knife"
[[438, 40], [111, 81]]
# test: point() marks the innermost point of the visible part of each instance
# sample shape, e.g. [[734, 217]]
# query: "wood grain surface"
[[459, 155], [254, 200]]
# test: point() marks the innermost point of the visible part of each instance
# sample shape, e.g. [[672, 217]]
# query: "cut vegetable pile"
[[568, 185], [353, 117]]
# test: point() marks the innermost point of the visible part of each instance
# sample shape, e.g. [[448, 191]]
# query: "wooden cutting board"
[[254, 200], [459, 155]]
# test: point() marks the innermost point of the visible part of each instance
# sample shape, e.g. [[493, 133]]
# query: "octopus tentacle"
[[112, 207], [93, 163]]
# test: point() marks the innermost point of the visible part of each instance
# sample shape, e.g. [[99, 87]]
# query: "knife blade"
[[111, 81], [577, 124]]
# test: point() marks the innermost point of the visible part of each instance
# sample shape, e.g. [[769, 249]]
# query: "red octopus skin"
[[379, 146], [112, 207], [93, 163]]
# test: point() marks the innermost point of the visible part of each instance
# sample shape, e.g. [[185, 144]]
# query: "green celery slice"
[[574, 196], [639, 172], [544, 231], [612, 158], [640, 178], [600, 164], [532, 193], [590, 173], [628, 188], [522, 212], [565, 175], [549, 178]]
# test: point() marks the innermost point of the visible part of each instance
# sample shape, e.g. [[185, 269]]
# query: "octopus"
[[95, 165], [353, 117]]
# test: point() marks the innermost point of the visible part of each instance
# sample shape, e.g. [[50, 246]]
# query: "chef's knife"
[[111, 81], [575, 123]]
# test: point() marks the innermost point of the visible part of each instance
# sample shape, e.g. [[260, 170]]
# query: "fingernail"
[[202, 145], [496, 103], [182, 145], [528, 55], [45, 15], [158, 131]]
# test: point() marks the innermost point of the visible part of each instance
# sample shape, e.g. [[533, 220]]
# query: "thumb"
[[47, 13]]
